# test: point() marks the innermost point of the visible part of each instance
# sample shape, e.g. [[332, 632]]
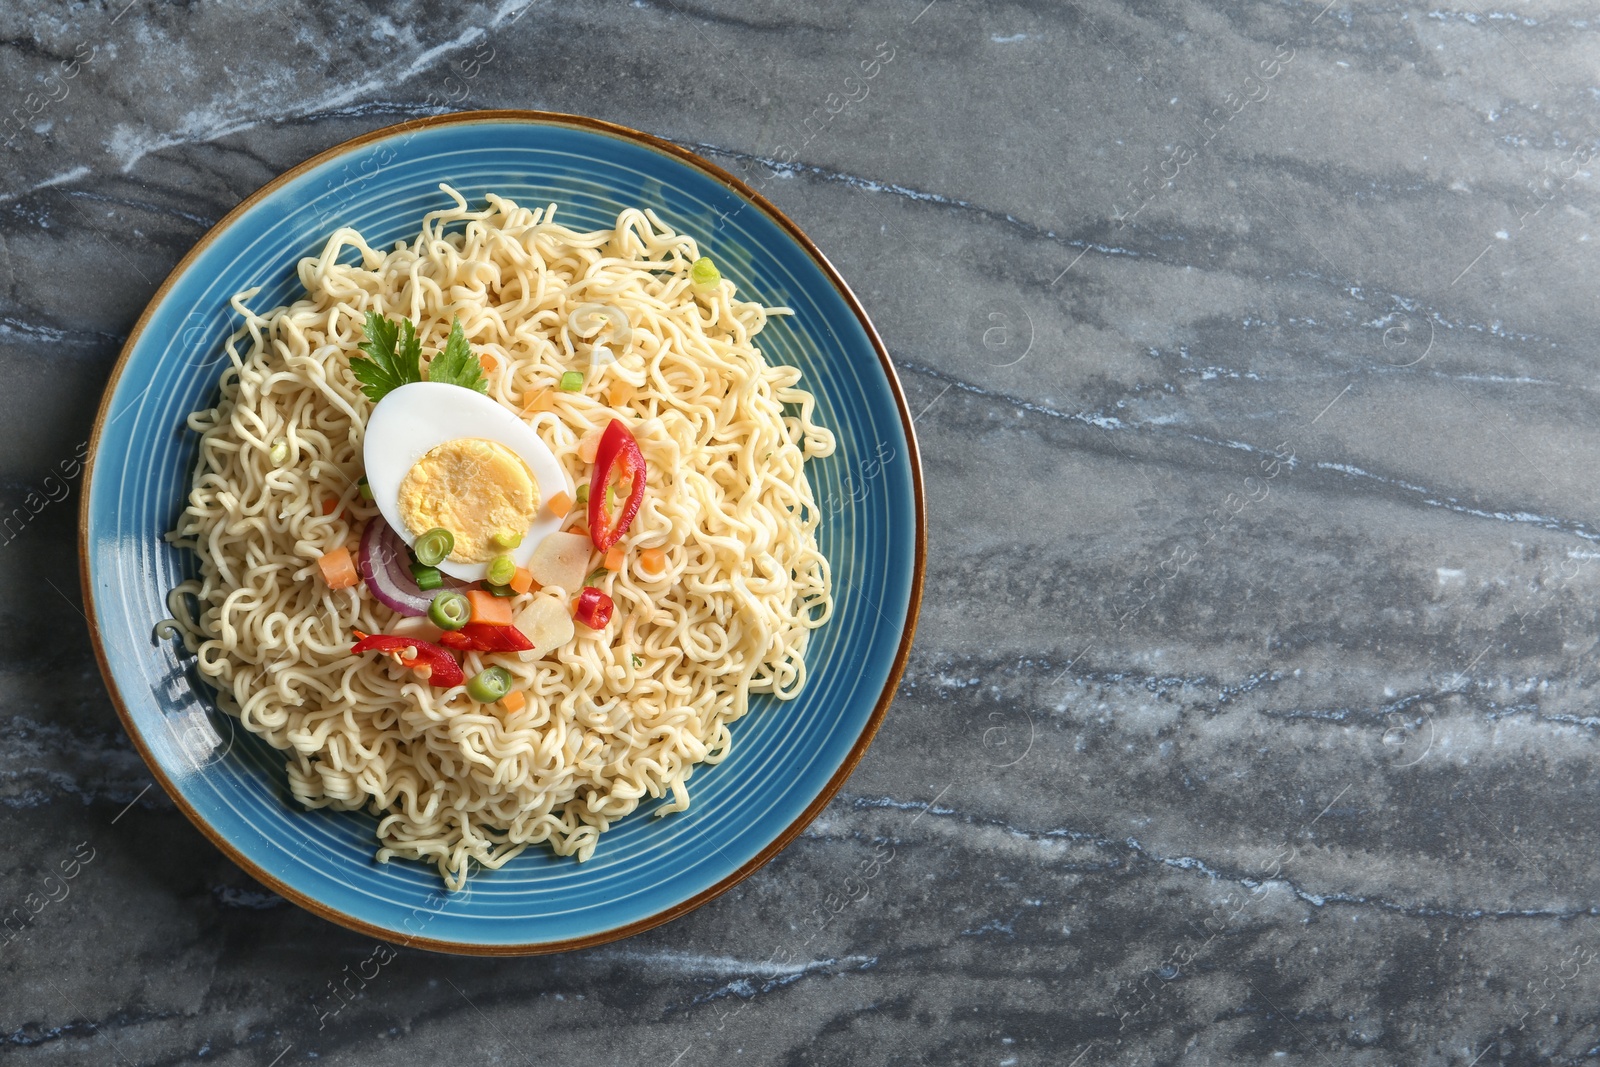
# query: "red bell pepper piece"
[[445, 672], [594, 608], [484, 637], [617, 459]]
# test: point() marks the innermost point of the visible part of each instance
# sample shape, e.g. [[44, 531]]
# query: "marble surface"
[[1250, 717]]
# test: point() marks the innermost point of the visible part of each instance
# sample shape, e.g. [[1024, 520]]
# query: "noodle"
[[615, 715]]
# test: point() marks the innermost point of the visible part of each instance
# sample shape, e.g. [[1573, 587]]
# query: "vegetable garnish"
[[338, 569], [704, 275], [571, 381], [560, 504], [522, 581], [615, 558], [506, 538], [279, 452], [393, 357], [486, 607], [592, 608], [450, 610], [426, 577], [443, 670], [514, 701], [456, 364], [501, 570], [434, 546], [489, 685], [364, 489], [482, 637], [652, 560], [616, 461]]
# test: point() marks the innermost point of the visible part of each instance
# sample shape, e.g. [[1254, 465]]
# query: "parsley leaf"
[[456, 365], [384, 369]]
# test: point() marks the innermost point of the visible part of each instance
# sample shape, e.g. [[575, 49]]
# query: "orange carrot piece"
[[559, 505], [580, 529], [589, 445], [488, 608], [652, 560], [618, 393], [488, 362], [330, 505], [338, 569], [535, 400], [615, 558], [514, 701], [521, 581]]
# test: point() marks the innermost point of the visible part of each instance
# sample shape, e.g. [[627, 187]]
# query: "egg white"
[[416, 418]]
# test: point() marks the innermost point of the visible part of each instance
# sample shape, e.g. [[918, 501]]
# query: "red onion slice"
[[386, 568]]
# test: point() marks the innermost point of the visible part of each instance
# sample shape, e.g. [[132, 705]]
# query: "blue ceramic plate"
[[788, 759]]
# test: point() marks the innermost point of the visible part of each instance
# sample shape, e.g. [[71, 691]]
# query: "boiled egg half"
[[439, 455]]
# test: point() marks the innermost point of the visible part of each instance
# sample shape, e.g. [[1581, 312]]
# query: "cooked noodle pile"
[[615, 715]]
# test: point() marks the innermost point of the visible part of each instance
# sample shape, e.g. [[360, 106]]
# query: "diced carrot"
[[580, 529], [514, 701], [615, 558], [559, 505], [486, 607], [522, 581], [572, 607], [618, 393], [330, 505], [652, 560], [589, 445], [535, 400], [338, 569], [488, 362]]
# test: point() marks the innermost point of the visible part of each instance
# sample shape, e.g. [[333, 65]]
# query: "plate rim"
[[857, 750]]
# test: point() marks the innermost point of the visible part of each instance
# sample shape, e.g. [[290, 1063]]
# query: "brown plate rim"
[[857, 751]]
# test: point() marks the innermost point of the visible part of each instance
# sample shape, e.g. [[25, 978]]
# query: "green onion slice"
[[572, 381], [704, 275], [434, 546], [506, 538], [450, 610], [426, 577], [501, 570], [489, 685]]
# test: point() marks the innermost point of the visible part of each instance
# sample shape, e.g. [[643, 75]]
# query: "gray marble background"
[[1251, 718]]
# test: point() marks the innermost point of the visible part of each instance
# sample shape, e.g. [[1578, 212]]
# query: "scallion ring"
[[506, 538], [432, 547], [279, 453], [704, 275], [501, 570], [450, 610], [489, 685], [571, 382]]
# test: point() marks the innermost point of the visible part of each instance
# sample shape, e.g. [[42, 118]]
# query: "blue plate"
[[788, 759]]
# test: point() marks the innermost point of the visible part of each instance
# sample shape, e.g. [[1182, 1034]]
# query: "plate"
[[788, 758]]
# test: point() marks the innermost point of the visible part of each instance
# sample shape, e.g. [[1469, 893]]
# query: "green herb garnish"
[[456, 365], [392, 352]]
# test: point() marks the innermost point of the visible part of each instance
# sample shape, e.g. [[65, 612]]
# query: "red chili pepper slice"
[[617, 459], [446, 672], [484, 637], [593, 608]]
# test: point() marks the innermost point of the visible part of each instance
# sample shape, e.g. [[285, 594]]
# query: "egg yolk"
[[475, 489]]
